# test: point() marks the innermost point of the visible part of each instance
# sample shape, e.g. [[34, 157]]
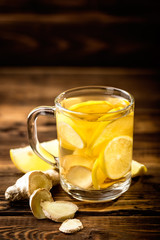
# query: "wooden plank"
[[72, 40], [103, 227], [42, 6], [29, 80], [125, 7], [68, 18]]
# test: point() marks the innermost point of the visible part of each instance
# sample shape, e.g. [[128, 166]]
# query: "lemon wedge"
[[137, 169], [26, 160], [118, 157]]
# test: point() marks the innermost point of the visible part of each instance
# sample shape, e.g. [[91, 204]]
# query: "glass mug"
[[95, 134]]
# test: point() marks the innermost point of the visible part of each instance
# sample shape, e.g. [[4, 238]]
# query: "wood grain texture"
[[124, 7], [79, 33], [136, 214], [107, 227]]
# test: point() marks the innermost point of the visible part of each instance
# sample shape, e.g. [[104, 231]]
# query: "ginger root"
[[29, 182], [71, 226], [43, 206], [35, 200], [53, 175], [35, 185], [59, 211]]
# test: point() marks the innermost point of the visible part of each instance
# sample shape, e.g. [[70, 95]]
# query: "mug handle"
[[32, 134]]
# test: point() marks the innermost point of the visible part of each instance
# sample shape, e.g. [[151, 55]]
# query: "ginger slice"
[[38, 179], [80, 176], [36, 198], [71, 226], [69, 161], [58, 211]]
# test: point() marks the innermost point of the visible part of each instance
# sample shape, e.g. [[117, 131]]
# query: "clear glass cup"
[[95, 133]]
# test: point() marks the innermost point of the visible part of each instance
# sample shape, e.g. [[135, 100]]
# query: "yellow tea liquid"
[[96, 137]]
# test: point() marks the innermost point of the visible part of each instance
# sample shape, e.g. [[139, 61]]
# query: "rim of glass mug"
[[109, 92]]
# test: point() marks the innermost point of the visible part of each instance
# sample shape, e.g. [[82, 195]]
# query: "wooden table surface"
[[134, 215]]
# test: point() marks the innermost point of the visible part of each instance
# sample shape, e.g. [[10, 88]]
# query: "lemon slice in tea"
[[119, 102], [118, 157], [70, 139], [98, 176], [92, 107], [122, 126], [112, 114]]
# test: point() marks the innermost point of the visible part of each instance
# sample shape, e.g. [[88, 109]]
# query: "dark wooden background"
[[80, 33]]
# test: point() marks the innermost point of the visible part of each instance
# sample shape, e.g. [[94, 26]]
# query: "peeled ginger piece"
[[71, 226], [80, 176], [35, 200], [137, 169], [59, 211]]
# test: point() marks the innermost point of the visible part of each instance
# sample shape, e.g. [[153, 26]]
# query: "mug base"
[[103, 195]]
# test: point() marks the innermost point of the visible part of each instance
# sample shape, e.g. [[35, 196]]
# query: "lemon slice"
[[26, 160], [70, 139], [79, 176], [107, 184], [137, 169], [100, 180], [85, 153], [118, 102], [92, 107], [122, 126], [110, 115], [98, 176], [118, 157], [101, 125]]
